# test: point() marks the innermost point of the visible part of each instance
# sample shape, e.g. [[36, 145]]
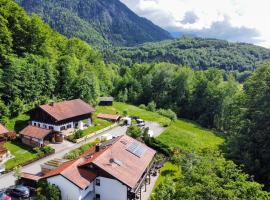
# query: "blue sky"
[[233, 20]]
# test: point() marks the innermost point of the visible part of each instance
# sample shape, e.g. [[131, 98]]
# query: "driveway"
[[8, 180], [155, 127]]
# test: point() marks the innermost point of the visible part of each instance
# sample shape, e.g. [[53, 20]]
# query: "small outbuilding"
[[35, 137], [106, 101], [109, 117]]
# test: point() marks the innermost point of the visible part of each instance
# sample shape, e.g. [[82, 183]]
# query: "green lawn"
[[98, 125], [169, 170], [118, 108], [189, 136], [22, 154]]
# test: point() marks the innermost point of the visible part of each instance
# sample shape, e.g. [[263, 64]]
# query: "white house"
[[115, 170], [62, 115]]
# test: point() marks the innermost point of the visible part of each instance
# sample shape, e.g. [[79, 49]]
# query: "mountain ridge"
[[96, 21]]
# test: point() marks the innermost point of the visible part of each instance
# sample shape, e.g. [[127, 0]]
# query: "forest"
[[198, 53], [39, 65]]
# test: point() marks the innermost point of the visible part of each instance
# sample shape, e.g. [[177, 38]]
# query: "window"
[[97, 196], [50, 127], [35, 124], [98, 182]]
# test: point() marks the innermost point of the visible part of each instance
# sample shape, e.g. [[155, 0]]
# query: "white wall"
[[55, 128], [111, 189], [70, 191]]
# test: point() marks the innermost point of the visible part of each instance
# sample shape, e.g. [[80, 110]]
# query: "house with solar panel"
[[118, 169]]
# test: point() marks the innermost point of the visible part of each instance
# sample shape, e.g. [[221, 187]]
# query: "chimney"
[[98, 146], [51, 103]]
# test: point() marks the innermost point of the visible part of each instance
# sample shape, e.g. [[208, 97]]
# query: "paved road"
[[8, 179]]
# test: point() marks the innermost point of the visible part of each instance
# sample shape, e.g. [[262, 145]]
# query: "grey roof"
[[106, 99]]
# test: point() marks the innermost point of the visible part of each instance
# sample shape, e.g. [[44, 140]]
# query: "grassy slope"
[[189, 136], [133, 111]]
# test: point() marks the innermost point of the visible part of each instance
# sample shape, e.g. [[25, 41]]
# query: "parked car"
[[134, 117], [3, 196], [140, 122], [19, 191], [2, 169]]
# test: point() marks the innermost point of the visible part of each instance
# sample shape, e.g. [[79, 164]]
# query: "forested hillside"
[[198, 53], [38, 64], [98, 22]]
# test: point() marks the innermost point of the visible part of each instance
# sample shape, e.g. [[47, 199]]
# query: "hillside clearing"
[[119, 108], [189, 136]]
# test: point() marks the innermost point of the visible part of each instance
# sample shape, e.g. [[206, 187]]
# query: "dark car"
[[19, 191], [140, 122]]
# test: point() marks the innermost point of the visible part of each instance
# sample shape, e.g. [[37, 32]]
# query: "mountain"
[[199, 53], [98, 22]]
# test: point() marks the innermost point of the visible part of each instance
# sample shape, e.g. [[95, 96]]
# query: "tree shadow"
[[20, 124], [18, 143], [168, 172]]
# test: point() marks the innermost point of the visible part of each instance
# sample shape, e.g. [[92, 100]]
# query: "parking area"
[[155, 127]]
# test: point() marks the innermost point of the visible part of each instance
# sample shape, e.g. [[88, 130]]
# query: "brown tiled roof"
[[3, 129], [33, 177], [35, 132], [67, 109], [131, 167], [108, 116], [70, 170], [129, 172]]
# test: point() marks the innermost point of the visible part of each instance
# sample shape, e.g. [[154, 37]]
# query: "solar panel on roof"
[[136, 149]]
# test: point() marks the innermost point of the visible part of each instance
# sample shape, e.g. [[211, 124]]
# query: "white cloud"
[[235, 20]]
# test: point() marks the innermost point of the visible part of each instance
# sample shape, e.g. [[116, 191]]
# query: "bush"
[[71, 138], [168, 113], [47, 149], [78, 134], [158, 146], [142, 106], [125, 112], [48, 191], [151, 106], [44, 150], [134, 131]]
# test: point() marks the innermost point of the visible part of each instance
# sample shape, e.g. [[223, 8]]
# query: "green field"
[[22, 154], [119, 108], [189, 136]]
